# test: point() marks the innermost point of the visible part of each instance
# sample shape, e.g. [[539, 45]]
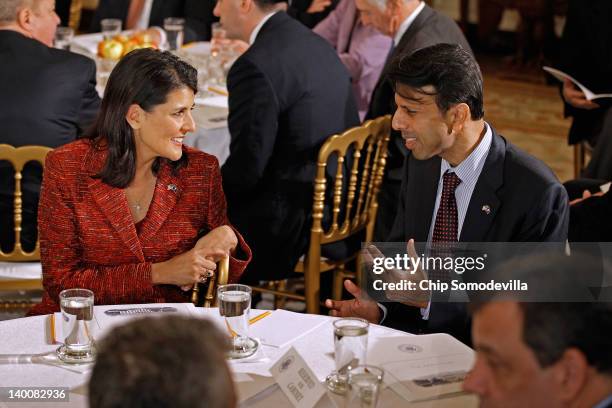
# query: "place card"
[[297, 380]]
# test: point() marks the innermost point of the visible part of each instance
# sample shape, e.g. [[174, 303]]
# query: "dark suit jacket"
[[429, 28], [587, 56], [591, 220], [198, 15], [48, 98], [527, 203], [287, 93], [88, 238]]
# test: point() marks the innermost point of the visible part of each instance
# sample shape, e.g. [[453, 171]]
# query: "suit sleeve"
[[590, 220], [253, 125], [548, 220], [61, 251], [217, 216], [198, 20], [90, 101], [397, 229]]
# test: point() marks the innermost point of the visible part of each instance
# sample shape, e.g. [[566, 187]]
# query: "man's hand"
[[361, 306], [576, 97], [586, 194], [318, 5]]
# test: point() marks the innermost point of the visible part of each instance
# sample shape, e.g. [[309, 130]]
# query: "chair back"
[[361, 154], [18, 157], [209, 288]]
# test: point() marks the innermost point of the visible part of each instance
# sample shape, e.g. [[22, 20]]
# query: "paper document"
[[422, 367], [562, 76], [282, 327]]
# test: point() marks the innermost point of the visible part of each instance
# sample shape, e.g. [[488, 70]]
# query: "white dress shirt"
[[255, 31], [407, 23]]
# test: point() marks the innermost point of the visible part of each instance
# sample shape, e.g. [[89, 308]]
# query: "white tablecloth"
[[20, 339]]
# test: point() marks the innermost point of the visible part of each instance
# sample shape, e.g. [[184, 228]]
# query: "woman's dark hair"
[[144, 77], [451, 70]]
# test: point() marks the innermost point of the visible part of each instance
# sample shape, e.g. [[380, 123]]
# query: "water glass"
[[364, 385], [110, 27], [235, 305], [77, 315], [63, 38], [174, 27], [218, 36], [350, 348]]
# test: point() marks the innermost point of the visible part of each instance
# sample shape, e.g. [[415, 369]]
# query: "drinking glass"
[[110, 27], [63, 38], [364, 384], [350, 348], [218, 35], [235, 305], [174, 32], [77, 315]]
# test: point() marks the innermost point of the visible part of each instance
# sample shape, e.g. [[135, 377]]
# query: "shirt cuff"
[[163, 38], [383, 308]]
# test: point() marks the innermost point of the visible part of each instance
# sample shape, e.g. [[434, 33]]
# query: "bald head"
[[35, 19]]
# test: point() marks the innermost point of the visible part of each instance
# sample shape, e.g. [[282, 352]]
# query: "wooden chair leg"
[[279, 301], [338, 280], [578, 159]]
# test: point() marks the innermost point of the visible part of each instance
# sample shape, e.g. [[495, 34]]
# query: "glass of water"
[[174, 32], [218, 35], [63, 38], [77, 315], [235, 305], [350, 348], [110, 27], [364, 385]]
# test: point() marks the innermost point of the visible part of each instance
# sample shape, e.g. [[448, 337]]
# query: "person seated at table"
[[48, 97], [553, 351], [181, 366], [142, 14], [362, 49], [130, 212]]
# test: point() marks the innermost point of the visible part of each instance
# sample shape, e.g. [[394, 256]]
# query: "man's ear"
[[246, 5], [457, 116], [571, 374], [392, 14], [24, 18], [135, 116]]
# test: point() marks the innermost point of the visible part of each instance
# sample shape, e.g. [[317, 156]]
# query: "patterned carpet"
[[520, 105]]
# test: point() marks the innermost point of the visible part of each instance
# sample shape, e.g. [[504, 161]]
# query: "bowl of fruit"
[[116, 47]]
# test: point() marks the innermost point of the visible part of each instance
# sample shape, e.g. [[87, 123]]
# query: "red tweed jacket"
[[88, 238]]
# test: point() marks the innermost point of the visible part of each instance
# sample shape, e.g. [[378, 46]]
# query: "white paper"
[[282, 327], [297, 380], [605, 187], [561, 76], [422, 367]]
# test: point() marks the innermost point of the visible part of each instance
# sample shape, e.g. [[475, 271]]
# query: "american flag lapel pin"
[[486, 209], [172, 187]]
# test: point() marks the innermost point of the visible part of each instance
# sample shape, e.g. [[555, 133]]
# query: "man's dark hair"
[[144, 77], [551, 327], [267, 4], [450, 69], [170, 361]]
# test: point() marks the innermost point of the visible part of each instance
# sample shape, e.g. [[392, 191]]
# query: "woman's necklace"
[[137, 203]]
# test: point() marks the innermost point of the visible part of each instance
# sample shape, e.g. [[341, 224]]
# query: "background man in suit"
[[412, 25], [553, 353], [287, 93], [47, 95], [140, 14], [462, 183]]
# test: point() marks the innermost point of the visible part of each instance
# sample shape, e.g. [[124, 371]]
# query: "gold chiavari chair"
[[20, 270], [360, 157], [209, 288]]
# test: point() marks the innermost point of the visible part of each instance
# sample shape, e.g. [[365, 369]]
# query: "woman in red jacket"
[[130, 212]]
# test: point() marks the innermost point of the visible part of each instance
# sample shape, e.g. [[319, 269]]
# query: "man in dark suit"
[[586, 56], [462, 183], [590, 211], [48, 97], [287, 94], [197, 14], [547, 353], [413, 25]]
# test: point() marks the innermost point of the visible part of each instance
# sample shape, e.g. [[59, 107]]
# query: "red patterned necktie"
[[446, 226]]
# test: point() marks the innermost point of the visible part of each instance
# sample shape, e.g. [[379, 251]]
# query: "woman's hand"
[[221, 238], [187, 268]]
